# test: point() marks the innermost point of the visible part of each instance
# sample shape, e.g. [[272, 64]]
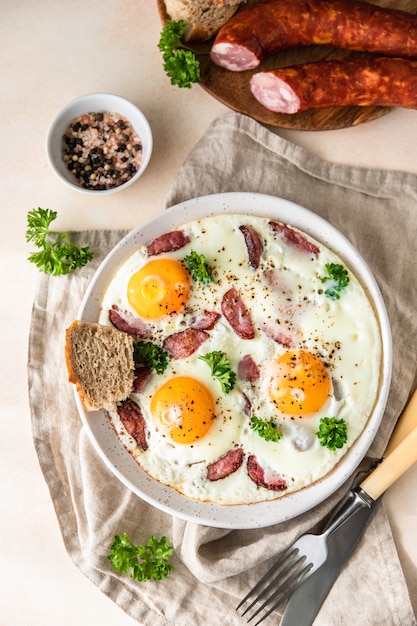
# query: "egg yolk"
[[300, 384], [184, 408], [159, 288]]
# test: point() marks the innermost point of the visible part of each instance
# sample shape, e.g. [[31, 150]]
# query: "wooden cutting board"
[[232, 88]]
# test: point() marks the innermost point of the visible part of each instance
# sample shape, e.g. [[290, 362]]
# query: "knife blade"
[[305, 603]]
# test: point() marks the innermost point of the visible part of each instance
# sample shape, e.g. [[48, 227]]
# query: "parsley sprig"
[[57, 254], [197, 266], [339, 277], [332, 432], [266, 429], [150, 355], [180, 61], [220, 369], [154, 555]]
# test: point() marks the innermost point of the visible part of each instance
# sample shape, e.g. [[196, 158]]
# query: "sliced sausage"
[[247, 405], [142, 376], [276, 333], [294, 238], [253, 243], [236, 313], [168, 242], [134, 422], [205, 320], [129, 323], [226, 465], [186, 342], [275, 25], [267, 479], [348, 82], [247, 369]]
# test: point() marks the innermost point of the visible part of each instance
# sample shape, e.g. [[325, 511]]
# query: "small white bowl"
[[95, 103]]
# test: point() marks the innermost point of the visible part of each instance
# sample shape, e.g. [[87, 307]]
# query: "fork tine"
[[299, 576], [280, 575], [284, 556]]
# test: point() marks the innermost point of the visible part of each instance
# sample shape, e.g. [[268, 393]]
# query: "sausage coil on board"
[[349, 82], [274, 25]]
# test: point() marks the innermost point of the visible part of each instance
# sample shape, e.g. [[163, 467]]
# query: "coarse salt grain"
[[102, 150]]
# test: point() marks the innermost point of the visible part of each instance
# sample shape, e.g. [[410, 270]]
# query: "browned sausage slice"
[[274, 25], [129, 323], [226, 465], [248, 369], [186, 342], [253, 243], [168, 242], [277, 334], [348, 82], [294, 238], [260, 477], [236, 313], [134, 422], [142, 376], [205, 320]]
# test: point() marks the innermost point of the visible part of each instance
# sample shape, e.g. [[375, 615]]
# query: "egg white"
[[285, 293]]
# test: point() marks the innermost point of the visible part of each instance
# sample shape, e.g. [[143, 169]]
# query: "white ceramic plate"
[[101, 433]]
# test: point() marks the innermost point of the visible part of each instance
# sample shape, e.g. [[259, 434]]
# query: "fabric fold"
[[214, 568]]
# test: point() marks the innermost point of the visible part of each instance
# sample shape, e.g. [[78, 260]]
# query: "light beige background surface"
[[51, 52]]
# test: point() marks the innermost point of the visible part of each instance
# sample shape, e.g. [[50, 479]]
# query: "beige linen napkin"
[[213, 567]]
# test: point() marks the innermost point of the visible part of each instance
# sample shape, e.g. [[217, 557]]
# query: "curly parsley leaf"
[[197, 266], [338, 275], [220, 369], [266, 430], [154, 558], [57, 254], [150, 355], [332, 432], [180, 61]]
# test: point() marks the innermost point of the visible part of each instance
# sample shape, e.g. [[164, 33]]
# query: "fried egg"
[[159, 288], [312, 357]]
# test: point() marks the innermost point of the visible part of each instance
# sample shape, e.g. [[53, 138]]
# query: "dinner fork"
[[298, 562], [309, 551]]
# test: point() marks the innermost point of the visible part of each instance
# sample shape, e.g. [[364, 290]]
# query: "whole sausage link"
[[275, 25], [350, 82]]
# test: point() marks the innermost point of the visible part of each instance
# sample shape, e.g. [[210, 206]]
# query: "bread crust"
[[100, 364], [204, 17]]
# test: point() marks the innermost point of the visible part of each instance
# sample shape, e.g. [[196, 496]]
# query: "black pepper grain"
[[97, 148]]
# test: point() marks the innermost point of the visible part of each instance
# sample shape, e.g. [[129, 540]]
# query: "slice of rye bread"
[[204, 17], [100, 364]]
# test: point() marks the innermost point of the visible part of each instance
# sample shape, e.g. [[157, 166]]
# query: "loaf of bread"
[[204, 17], [100, 364]]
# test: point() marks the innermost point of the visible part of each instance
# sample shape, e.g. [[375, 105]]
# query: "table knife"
[[363, 500]]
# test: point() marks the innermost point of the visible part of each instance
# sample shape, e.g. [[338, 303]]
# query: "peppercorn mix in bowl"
[[99, 143]]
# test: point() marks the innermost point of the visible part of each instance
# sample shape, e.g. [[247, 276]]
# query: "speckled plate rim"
[[104, 439]]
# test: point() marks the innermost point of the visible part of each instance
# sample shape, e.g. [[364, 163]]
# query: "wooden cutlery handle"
[[400, 456], [406, 423]]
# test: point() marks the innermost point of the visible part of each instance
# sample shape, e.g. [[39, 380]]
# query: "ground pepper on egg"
[[102, 150]]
